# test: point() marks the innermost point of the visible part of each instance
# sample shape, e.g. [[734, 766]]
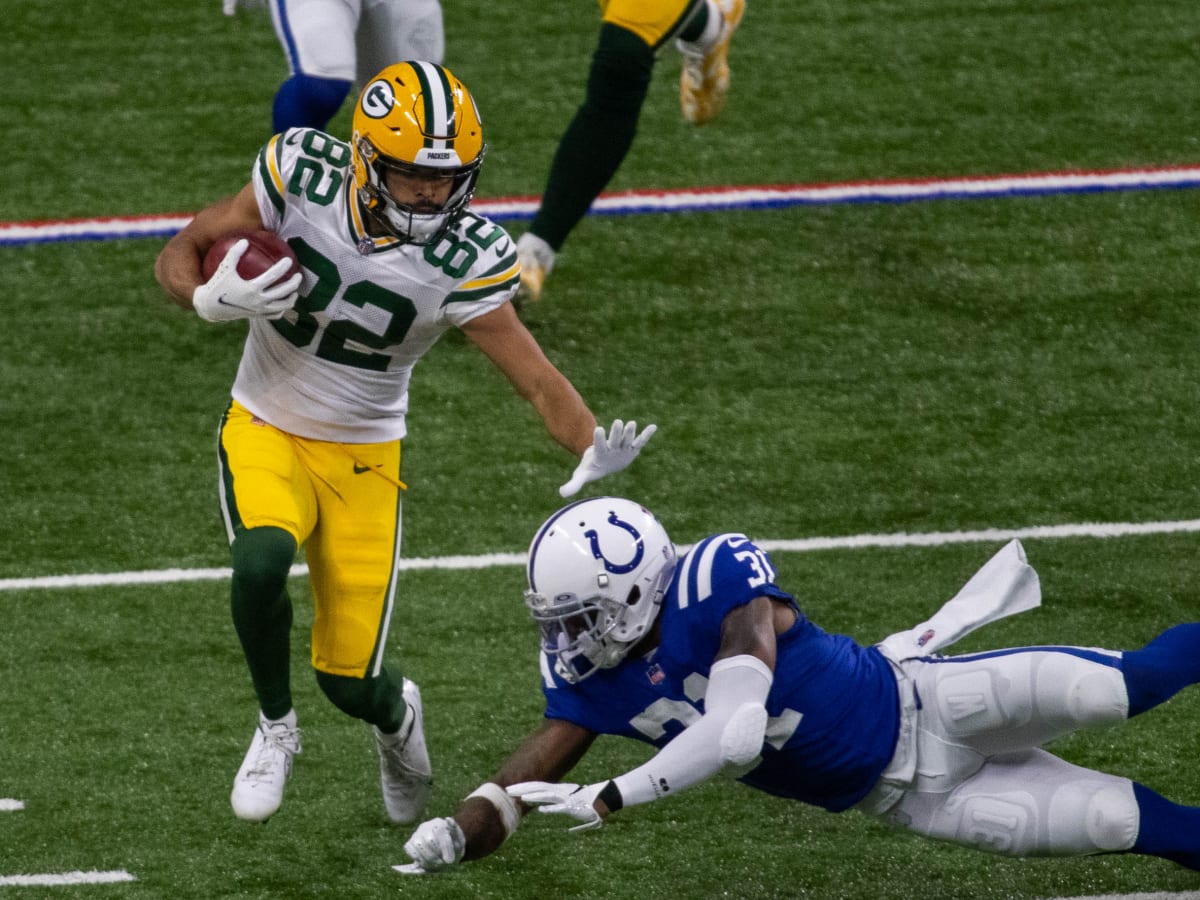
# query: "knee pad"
[[262, 558], [1093, 817], [308, 102], [1078, 692]]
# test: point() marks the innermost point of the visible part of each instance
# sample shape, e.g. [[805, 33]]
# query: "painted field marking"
[[66, 879], [709, 199], [7, 804], [793, 545]]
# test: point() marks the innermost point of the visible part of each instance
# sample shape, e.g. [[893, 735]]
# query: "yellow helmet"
[[417, 119]]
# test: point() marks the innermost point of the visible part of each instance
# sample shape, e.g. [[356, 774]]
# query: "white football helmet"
[[598, 570]]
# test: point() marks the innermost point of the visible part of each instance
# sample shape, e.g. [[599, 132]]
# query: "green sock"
[[262, 613], [378, 700]]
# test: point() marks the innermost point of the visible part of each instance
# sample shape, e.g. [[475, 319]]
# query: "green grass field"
[[832, 371]]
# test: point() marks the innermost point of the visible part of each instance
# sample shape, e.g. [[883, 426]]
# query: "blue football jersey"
[[833, 706]]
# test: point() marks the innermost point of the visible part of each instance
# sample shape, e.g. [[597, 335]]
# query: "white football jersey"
[[337, 366]]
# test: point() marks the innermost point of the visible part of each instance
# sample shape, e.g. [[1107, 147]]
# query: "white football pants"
[[968, 767]]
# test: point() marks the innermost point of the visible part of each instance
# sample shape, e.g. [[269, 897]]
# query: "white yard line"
[[66, 879], [7, 804], [787, 545]]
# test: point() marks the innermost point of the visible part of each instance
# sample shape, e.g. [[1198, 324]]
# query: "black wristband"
[[611, 797]]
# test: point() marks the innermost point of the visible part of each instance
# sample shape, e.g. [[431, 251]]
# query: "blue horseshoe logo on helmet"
[[609, 565]]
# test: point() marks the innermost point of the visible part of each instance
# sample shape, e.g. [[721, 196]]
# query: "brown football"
[[266, 248]]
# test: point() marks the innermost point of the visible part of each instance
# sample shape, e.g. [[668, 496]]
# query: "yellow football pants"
[[652, 20], [342, 503]]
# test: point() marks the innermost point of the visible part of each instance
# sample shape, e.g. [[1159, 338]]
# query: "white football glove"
[[436, 844], [608, 454], [564, 797], [227, 295]]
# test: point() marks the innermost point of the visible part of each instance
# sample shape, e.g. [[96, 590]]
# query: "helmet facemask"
[[598, 572], [581, 635]]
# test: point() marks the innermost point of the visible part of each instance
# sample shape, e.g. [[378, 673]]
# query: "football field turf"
[[872, 369]]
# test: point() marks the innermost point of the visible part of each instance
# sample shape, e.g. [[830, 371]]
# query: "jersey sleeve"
[[270, 185], [604, 702], [493, 276], [718, 575]]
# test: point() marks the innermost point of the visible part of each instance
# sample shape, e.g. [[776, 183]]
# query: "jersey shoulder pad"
[[724, 571], [279, 170], [492, 272]]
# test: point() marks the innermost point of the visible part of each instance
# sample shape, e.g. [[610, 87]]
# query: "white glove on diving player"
[[228, 296], [565, 797], [608, 454], [436, 844]]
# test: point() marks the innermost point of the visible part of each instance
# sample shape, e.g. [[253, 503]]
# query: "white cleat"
[[258, 787], [704, 81], [404, 768], [537, 259]]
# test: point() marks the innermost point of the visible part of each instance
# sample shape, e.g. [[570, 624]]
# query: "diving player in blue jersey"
[[708, 659]]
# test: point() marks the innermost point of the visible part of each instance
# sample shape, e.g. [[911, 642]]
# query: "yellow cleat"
[[704, 81], [537, 259]]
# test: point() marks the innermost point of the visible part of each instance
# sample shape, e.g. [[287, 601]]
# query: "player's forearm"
[[177, 269], [567, 417], [730, 732], [482, 825]]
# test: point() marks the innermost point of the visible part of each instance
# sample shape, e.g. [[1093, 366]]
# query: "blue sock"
[[1162, 668], [305, 101], [1167, 829]]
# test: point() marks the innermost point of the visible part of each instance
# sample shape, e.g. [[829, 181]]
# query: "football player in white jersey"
[[331, 44], [707, 659], [309, 447]]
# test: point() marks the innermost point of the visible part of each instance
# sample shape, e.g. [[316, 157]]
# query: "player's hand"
[[608, 454], [228, 296], [570, 799], [436, 844]]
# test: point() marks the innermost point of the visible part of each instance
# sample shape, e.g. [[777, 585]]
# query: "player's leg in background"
[[704, 77], [395, 30], [317, 37], [599, 136]]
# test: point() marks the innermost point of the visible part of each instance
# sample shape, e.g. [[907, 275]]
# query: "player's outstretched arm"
[[731, 731], [514, 351], [487, 817]]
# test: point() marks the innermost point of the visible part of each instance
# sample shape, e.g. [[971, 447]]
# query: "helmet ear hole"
[[635, 594]]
